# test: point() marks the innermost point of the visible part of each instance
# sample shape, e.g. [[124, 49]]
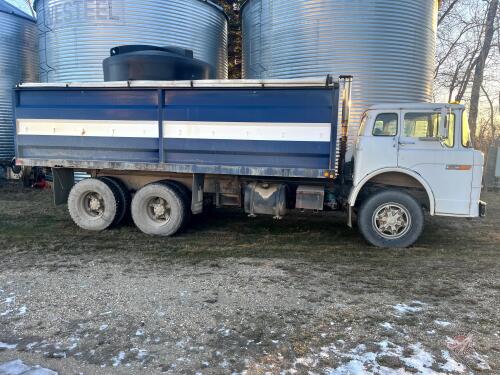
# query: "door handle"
[[407, 142]]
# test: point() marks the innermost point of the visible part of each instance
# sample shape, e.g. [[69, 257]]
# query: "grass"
[[335, 279]]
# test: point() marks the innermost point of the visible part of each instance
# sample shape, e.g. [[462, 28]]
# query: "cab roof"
[[414, 106]]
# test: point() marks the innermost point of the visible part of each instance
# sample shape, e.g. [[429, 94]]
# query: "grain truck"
[[161, 151]]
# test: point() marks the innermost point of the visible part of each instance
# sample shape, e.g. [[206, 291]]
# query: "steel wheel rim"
[[93, 204], [391, 220], [158, 210]]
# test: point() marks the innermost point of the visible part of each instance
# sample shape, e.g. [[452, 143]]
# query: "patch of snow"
[[22, 310], [17, 367], [142, 354], [103, 327], [6, 312], [451, 365], [420, 360], [31, 345], [431, 332], [306, 361], [442, 323], [39, 371], [4, 346], [360, 361], [354, 367], [480, 362], [9, 300], [139, 332], [387, 326], [224, 332], [403, 308], [118, 359]]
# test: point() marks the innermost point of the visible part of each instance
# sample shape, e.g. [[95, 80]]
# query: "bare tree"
[[489, 30], [447, 8], [467, 58]]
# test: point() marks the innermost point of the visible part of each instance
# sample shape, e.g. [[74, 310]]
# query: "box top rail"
[[227, 83]]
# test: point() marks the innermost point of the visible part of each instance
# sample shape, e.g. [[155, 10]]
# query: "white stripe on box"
[[88, 128], [251, 131]]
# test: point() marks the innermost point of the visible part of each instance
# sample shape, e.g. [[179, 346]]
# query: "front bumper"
[[482, 208]]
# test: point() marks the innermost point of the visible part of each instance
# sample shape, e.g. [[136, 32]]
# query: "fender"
[[356, 189]]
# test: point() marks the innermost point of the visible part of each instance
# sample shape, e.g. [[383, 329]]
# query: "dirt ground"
[[234, 295]]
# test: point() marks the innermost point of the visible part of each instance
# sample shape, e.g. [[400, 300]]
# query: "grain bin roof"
[[203, 1], [8, 8]]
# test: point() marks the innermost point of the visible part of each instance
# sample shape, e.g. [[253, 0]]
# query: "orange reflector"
[[327, 174], [458, 167]]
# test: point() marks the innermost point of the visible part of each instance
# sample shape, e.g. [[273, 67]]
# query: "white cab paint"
[[373, 153], [452, 176], [441, 167]]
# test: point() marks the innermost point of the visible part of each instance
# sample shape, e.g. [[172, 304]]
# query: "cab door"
[[438, 158], [377, 145]]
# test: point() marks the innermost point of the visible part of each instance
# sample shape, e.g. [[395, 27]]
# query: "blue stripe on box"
[[295, 106], [254, 153], [88, 148], [208, 105], [88, 104], [274, 154]]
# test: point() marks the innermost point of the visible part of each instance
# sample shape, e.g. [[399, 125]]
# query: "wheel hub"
[[391, 220], [159, 210], [94, 204]]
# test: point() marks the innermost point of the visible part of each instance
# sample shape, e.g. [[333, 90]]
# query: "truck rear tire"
[[185, 194], [93, 204], [391, 219], [123, 195], [159, 209]]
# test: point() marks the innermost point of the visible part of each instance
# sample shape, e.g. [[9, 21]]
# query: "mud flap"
[[197, 193], [64, 179]]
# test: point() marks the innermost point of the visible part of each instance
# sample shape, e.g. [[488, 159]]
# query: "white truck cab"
[[422, 149]]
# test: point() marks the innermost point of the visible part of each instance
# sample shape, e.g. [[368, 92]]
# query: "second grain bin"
[[18, 62], [76, 36], [388, 46]]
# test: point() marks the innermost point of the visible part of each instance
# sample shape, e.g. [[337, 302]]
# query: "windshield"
[[466, 136]]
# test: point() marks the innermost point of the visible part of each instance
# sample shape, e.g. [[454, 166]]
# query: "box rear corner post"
[[346, 112]]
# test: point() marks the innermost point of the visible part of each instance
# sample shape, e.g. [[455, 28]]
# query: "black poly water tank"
[[152, 63]]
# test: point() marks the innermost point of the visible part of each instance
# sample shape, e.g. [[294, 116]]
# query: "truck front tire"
[[159, 209], [391, 219], [93, 204]]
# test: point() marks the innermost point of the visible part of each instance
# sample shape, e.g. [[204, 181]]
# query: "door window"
[[425, 126], [386, 125], [421, 124]]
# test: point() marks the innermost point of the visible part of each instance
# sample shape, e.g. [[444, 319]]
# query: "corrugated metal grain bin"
[[75, 36], [388, 46], [18, 62]]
